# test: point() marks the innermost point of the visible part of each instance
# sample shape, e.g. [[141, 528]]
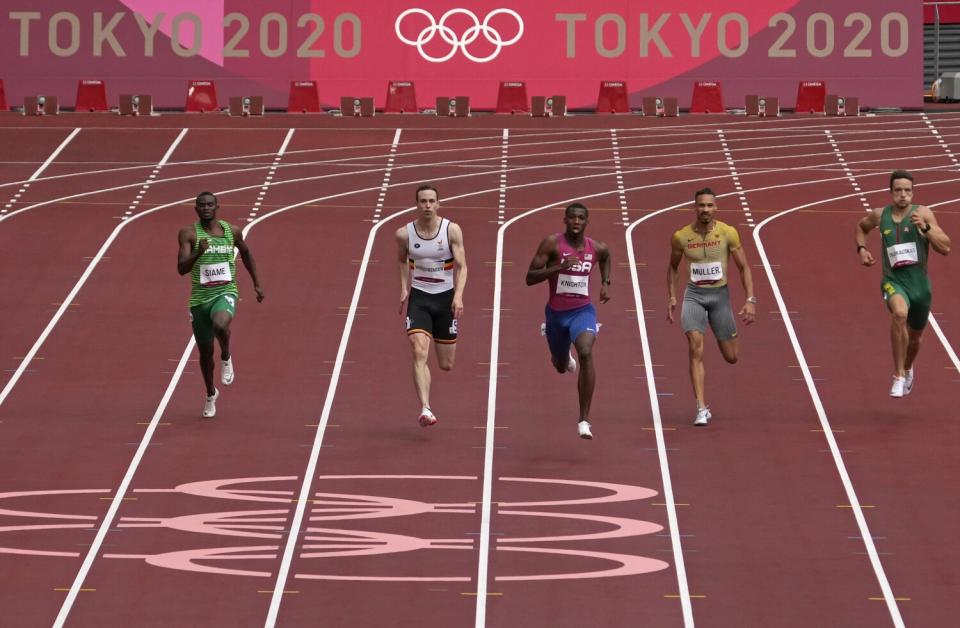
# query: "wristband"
[[927, 230], [752, 300], [860, 246], [605, 282]]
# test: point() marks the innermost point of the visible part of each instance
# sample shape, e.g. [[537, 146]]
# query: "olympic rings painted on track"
[[469, 36]]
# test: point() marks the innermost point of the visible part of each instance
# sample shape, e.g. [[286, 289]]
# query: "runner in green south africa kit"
[[207, 253], [907, 231]]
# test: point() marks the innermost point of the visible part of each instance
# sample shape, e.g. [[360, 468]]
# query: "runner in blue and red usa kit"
[[566, 261]]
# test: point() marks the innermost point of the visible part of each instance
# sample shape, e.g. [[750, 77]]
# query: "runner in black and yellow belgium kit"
[[907, 231], [207, 253]]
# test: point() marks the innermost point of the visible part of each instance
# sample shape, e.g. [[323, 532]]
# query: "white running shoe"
[[543, 329], [210, 407], [583, 427], [897, 389], [908, 382], [226, 371], [571, 363], [427, 418], [703, 416]]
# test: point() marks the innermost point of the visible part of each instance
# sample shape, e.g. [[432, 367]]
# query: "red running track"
[[122, 507]]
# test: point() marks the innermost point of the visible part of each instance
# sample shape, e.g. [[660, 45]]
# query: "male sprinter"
[[206, 252], [566, 260], [433, 273], [907, 231], [708, 244]]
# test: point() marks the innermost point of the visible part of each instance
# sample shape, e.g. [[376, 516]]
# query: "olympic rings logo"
[[469, 36]]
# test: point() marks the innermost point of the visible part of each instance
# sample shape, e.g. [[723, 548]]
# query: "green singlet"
[[904, 255], [215, 272]]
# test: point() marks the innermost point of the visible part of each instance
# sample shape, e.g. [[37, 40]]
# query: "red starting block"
[[660, 106], [613, 97], [3, 98], [304, 97], [512, 97], [707, 97], [811, 96], [548, 106], [763, 106], [91, 96], [246, 106], [40, 106], [136, 105], [359, 107], [842, 105], [201, 97], [401, 97], [456, 106]]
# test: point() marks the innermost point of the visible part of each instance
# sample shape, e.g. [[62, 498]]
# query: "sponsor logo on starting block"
[[613, 97], [246, 106], [707, 97], [456, 106], [512, 97], [665, 107], [358, 107], [91, 96], [842, 105], [548, 106], [201, 97], [304, 97], [811, 97], [763, 106], [136, 105], [40, 106], [401, 97]]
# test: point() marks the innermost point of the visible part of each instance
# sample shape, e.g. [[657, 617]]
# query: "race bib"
[[573, 284], [215, 274], [903, 254], [706, 272]]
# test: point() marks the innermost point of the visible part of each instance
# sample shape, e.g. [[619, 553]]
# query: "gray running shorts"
[[703, 305]]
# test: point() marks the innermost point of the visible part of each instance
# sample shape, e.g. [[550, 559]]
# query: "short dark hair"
[[900, 174], [701, 192], [586, 212], [426, 186], [202, 194]]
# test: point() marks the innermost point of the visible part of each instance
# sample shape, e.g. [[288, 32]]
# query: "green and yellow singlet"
[[904, 252], [215, 272]]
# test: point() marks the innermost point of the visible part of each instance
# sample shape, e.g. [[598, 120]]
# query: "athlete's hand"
[[866, 258], [919, 222], [203, 245], [259, 292], [568, 261], [604, 293], [457, 307], [404, 295], [671, 306], [748, 313]]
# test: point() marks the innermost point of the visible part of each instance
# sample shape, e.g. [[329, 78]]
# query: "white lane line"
[[735, 176], [269, 178], [23, 187], [153, 175], [618, 171], [846, 168], [936, 133], [385, 185], [504, 154], [25, 362]]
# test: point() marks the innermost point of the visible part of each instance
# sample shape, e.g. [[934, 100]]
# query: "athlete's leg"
[[221, 329], [913, 347], [587, 377], [446, 353], [206, 365], [420, 345], [730, 350], [899, 338], [697, 372]]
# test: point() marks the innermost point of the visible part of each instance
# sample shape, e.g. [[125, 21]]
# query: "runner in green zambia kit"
[[207, 253], [907, 231]]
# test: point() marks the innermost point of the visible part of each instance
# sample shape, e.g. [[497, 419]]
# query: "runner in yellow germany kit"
[[206, 252], [907, 231], [707, 244]]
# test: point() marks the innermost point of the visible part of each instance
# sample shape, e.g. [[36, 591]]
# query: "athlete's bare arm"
[[460, 268], [603, 255], [867, 224], [401, 237], [547, 252], [748, 313], [187, 257], [673, 272], [923, 218], [248, 261]]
